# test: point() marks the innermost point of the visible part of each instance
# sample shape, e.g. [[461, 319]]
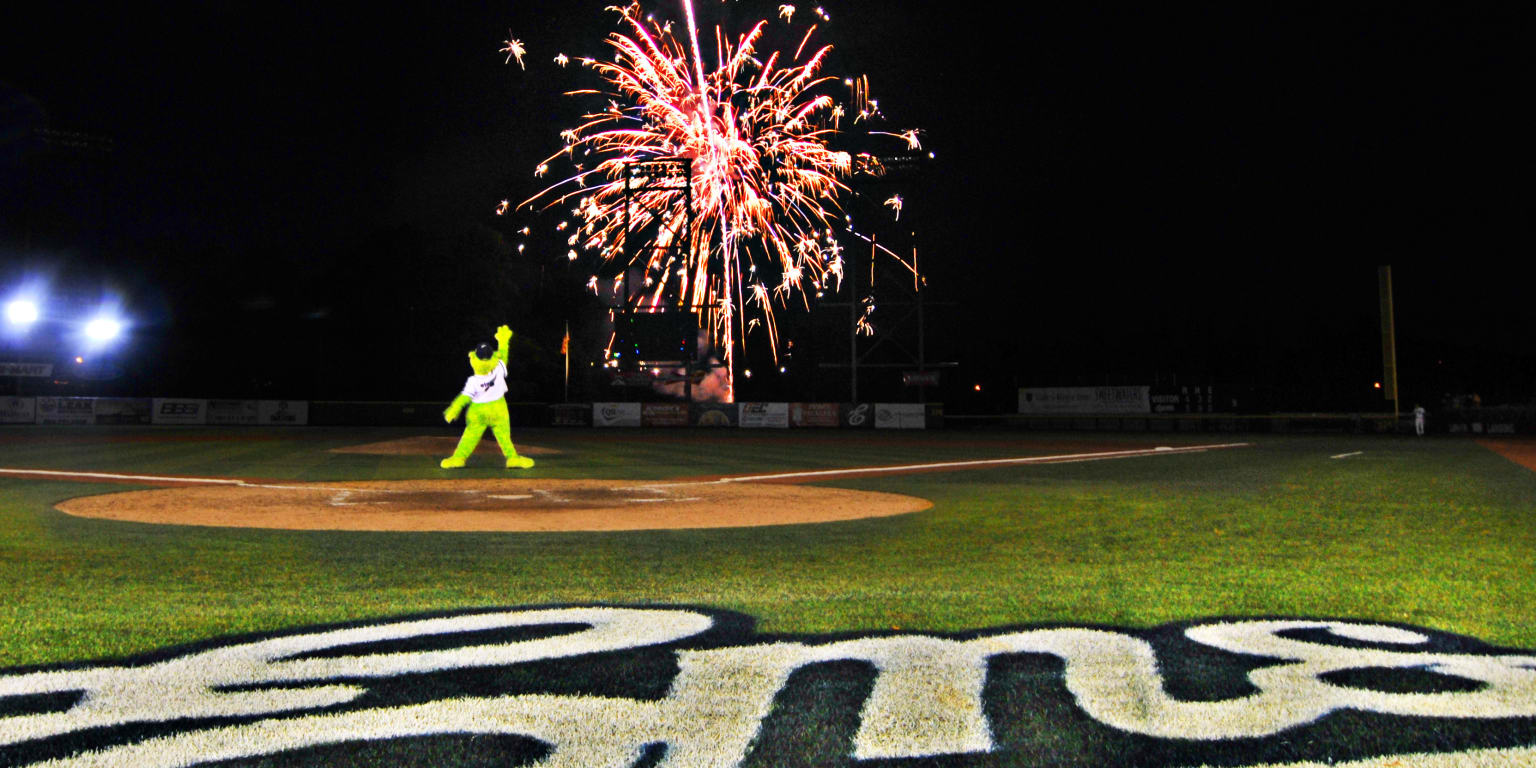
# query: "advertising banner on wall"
[[714, 414], [570, 415], [178, 410], [763, 415], [1085, 400], [18, 410], [664, 414], [900, 415], [920, 378], [935, 415], [65, 410], [283, 413], [29, 370], [232, 411], [813, 414], [856, 415], [121, 410], [615, 414]]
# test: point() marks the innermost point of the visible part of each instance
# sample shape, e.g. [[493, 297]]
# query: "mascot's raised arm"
[[483, 393]]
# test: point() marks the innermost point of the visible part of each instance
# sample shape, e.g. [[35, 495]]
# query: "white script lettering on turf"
[[926, 699]]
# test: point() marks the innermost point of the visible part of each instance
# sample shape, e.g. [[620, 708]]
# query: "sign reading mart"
[[28, 370]]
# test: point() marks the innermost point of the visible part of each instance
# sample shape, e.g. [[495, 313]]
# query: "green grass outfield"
[[1433, 533], [1437, 533]]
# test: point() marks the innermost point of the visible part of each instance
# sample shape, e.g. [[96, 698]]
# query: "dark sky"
[[1121, 192]]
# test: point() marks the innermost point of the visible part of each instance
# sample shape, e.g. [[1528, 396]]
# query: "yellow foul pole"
[[1388, 339]]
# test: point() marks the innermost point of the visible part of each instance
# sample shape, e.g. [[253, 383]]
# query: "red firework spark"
[[765, 183]]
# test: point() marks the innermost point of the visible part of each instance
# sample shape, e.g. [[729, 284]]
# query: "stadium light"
[[103, 329], [21, 312]]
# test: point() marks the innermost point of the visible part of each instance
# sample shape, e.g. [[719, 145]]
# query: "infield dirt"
[[1522, 452], [493, 505], [438, 445]]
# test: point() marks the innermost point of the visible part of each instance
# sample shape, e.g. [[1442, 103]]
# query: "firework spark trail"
[[764, 182], [514, 49]]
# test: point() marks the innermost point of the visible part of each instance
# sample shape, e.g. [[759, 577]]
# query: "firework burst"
[[754, 132]]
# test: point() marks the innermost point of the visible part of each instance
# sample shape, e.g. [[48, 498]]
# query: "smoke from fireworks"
[[764, 183]]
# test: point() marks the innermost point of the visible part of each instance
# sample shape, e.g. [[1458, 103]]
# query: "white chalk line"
[[1067, 458], [116, 476], [228, 481], [1346, 455], [343, 493]]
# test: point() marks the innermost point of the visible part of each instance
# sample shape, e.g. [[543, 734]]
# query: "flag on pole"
[[565, 343]]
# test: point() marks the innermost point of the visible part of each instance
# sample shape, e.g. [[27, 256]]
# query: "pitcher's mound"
[[494, 505], [440, 446]]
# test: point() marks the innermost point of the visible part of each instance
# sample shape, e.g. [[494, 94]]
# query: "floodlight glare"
[[103, 329], [21, 312]]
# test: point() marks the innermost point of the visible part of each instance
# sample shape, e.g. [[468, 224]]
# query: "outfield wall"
[[167, 411], [100, 411], [1483, 421]]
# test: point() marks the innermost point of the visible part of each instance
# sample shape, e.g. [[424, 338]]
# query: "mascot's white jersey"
[[488, 388]]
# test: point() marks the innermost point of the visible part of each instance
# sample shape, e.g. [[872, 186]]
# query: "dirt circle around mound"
[[493, 505], [438, 445]]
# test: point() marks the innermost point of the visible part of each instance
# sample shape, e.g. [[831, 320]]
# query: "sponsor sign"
[[283, 413], [699, 688], [570, 415], [232, 411], [121, 410], [714, 414], [1085, 400], [650, 377], [900, 415], [65, 410], [615, 414], [18, 410], [920, 378], [176, 410], [857, 415], [28, 370], [664, 414], [763, 415], [813, 414], [632, 378]]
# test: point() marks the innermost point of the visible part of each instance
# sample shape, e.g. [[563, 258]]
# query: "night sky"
[[1120, 194]]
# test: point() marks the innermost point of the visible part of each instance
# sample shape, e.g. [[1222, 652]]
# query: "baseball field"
[[329, 596]]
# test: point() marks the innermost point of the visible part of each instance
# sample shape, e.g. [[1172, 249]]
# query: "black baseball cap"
[[485, 351]]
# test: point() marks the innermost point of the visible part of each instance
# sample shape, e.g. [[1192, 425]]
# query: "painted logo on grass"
[[602, 686]]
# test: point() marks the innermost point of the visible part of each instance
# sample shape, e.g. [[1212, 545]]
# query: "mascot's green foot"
[[519, 462], [452, 462]]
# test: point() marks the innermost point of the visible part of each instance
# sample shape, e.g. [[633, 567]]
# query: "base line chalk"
[[1065, 458]]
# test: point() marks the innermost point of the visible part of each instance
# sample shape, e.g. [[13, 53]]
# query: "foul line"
[[968, 464], [121, 477], [820, 473], [175, 480]]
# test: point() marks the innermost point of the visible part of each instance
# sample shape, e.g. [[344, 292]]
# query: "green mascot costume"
[[483, 393]]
